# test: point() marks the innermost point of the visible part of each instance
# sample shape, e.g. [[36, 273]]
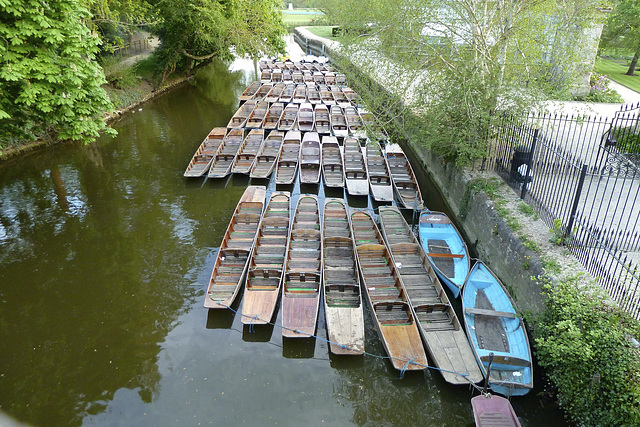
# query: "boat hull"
[[493, 326], [233, 256], [446, 249]]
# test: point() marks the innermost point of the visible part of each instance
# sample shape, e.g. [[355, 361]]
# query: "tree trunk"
[[634, 62]]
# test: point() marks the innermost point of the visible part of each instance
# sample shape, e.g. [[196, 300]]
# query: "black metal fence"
[[582, 175]]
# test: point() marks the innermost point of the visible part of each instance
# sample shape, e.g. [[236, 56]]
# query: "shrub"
[[589, 352], [627, 139], [600, 91]]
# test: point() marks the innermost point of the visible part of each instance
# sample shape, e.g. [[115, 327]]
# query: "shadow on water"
[[298, 348], [220, 319], [257, 333]]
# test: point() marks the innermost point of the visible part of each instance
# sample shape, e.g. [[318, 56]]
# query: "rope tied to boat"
[[252, 328], [409, 362], [404, 368]]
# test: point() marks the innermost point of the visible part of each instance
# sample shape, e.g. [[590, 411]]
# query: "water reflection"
[[105, 252]]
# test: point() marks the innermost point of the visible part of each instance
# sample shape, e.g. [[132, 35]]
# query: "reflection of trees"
[[379, 397], [88, 296]]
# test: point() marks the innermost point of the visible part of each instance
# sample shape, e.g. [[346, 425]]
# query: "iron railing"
[[583, 175]]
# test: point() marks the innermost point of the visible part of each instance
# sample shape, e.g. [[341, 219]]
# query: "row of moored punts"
[[304, 252], [299, 254], [314, 158]]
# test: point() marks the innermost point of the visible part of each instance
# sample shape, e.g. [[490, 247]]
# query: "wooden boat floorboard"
[[264, 279], [303, 271], [342, 298], [233, 256], [387, 299]]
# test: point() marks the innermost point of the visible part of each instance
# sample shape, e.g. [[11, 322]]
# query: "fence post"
[[576, 199], [523, 192]]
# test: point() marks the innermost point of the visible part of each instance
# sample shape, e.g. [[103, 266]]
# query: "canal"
[[105, 255]]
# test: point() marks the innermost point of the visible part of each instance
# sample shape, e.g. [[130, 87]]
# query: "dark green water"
[[105, 254]]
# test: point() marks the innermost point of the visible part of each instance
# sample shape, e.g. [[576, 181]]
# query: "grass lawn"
[[323, 31], [616, 72], [299, 19]]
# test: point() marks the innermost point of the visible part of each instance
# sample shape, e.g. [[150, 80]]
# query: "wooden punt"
[[306, 118], [262, 91], [338, 122], [355, 169], [310, 158], [290, 65], [492, 410], [404, 180], [240, 117], [300, 94], [273, 116], [445, 248], [326, 95], [493, 326], [286, 76], [264, 279], [323, 125], [288, 160], [250, 91], [303, 271], [318, 78], [341, 99], [265, 75], [351, 94], [379, 175], [441, 331], [247, 152], [289, 117], [274, 93], [201, 160], [389, 306], [341, 79], [267, 156], [313, 96], [332, 163], [264, 64], [354, 122], [226, 155], [255, 119], [297, 77], [287, 93], [343, 306], [307, 76], [330, 78], [276, 75], [233, 256]]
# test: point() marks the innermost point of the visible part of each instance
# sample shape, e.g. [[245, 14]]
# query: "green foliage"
[[49, 79], [530, 244], [586, 349], [560, 236], [193, 31], [456, 65], [528, 210], [627, 139]]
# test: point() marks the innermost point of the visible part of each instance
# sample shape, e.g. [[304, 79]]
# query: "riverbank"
[[138, 90]]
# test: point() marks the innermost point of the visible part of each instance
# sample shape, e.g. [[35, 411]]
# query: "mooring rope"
[[409, 362]]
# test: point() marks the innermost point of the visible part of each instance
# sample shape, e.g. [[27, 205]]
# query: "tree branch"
[[199, 58]]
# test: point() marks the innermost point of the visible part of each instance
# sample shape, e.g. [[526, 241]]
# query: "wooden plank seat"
[[506, 360], [493, 313], [221, 289], [240, 253]]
